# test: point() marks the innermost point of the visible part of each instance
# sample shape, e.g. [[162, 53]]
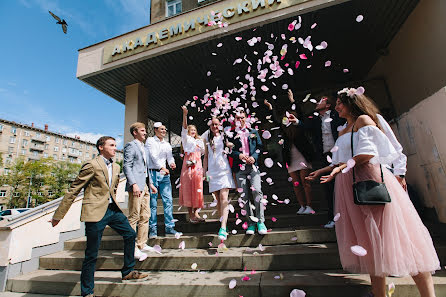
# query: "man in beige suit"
[[99, 178]]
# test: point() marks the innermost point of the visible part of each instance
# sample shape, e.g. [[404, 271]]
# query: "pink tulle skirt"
[[395, 238], [191, 188]]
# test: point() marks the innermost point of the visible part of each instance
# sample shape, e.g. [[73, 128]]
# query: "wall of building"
[[416, 65], [158, 8], [421, 133]]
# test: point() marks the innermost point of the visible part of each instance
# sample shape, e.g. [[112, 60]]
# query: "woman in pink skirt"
[[191, 179], [392, 239]]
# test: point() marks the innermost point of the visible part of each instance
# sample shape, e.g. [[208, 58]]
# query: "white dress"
[[219, 172], [298, 161]]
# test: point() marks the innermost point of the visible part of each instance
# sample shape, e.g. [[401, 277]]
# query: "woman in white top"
[[191, 188], [218, 171], [393, 237]]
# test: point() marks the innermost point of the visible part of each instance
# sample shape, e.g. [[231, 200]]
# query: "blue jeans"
[[162, 183], [93, 230]]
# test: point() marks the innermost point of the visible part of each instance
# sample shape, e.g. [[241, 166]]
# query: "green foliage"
[[36, 179]]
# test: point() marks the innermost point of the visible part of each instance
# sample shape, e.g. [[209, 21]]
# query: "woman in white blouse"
[[392, 239], [191, 178], [218, 172]]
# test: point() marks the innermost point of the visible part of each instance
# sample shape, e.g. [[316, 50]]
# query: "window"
[[48, 138], [26, 133], [50, 193], [81, 146], [13, 130], [12, 139], [40, 193], [57, 140], [23, 152], [8, 160], [10, 149], [65, 142], [64, 150], [46, 146], [173, 7], [38, 135], [35, 153], [94, 156], [79, 153], [16, 194], [87, 155], [2, 193], [56, 148], [73, 144], [7, 170], [1, 127], [54, 156], [24, 142], [45, 155], [41, 184]]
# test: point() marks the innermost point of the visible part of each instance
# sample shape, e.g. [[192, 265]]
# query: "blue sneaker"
[[153, 234], [251, 230], [172, 231], [261, 228], [222, 234]]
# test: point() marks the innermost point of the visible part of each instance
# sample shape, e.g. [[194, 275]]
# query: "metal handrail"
[[46, 206]]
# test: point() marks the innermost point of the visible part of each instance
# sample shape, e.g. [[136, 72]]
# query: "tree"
[[61, 176]]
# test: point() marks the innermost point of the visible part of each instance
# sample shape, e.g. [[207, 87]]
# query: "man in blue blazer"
[[245, 152], [136, 170]]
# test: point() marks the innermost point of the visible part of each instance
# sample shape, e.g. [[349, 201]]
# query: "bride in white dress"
[[218, 172]]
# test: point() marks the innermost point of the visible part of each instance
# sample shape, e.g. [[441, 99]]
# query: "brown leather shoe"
[[135, 276]]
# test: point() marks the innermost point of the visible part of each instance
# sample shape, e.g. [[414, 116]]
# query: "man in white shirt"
[[160, 153], [136, 170]]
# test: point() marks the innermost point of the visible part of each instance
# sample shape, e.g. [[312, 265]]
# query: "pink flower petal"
[[210, 243], [345, 70], [358, 250], [329, 159], [297, 293], [291, 27], [313, 26], [182, 245], [238, 38], [296, 184], [334, 149], [220, 44], [245, 226], [243, 213], [303, 56], [269, 162], [336, 217], [297, 64], [360, 91], [238, 221], [359, 18], [264, 88], [209, 73], [246, 278], [273, 219], [328, 64], [266, 134], [232, 284]]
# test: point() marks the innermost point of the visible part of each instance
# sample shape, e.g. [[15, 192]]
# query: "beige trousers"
[[139, 215]]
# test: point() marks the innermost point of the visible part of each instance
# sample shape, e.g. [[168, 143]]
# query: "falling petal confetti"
[[334, 149], [359, 18], [254, 219], [345, 70], [303, 56], [351, 163], [286, 201], [182, 245], [246, 278], [328, 120], [210, 243], [238, 221], [273, 219], [294, 239], [296, 183], [209, 73], [358, 250], [285, 86], [266, 134], [231, 208], [234, 231], [220, 44], [260, 247], [157, 248], [329, 159], [297, 293], [313, 26], [194, 266], [269, 162], [238, 38], [327, 63], [232, 284], [360, 91], [245, 225], [336, 217], [391, 289], [264, 88]]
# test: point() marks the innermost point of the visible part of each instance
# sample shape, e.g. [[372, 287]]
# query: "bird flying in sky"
[[61, 22]]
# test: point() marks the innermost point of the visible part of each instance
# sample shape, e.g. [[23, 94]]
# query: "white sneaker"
[[140, 256], [147, 248], [330, 225], [301, 210], [308, 210]]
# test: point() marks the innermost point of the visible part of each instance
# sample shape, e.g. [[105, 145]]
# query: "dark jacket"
[[300, 141], [255, 148], [314, 126]]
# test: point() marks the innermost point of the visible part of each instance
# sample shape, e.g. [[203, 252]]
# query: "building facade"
[[31, 143], [162, 9]]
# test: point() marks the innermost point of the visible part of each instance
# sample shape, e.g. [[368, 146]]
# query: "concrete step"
[[283, 257], [333, 283], [282, 221], [202, 240]]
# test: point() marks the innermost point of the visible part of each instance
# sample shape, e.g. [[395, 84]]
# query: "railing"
[[21, 233]]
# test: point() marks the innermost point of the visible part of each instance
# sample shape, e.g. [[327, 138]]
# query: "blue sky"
[[38, 61]]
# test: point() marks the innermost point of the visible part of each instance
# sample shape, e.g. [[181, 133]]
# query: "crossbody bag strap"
[[351, 145]]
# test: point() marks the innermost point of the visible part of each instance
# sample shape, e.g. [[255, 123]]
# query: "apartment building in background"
[[31, 143]]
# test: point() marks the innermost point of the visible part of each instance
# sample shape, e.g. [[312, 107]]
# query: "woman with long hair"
[[378, 240], [298, 154], [218, 172], [191, 188]]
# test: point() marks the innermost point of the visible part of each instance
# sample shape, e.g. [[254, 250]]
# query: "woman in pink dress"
[[379, 240], [191, 179]]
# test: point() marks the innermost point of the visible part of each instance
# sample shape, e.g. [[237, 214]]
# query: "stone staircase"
[[297, 253]]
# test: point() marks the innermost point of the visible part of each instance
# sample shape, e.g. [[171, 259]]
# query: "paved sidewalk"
[[11, 294]]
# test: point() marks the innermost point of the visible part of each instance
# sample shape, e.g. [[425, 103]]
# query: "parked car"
[[12, 212]]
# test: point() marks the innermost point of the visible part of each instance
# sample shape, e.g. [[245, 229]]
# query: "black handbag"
[[369, 192]]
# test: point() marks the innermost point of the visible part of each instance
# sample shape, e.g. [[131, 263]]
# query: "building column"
[[136, 107]]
